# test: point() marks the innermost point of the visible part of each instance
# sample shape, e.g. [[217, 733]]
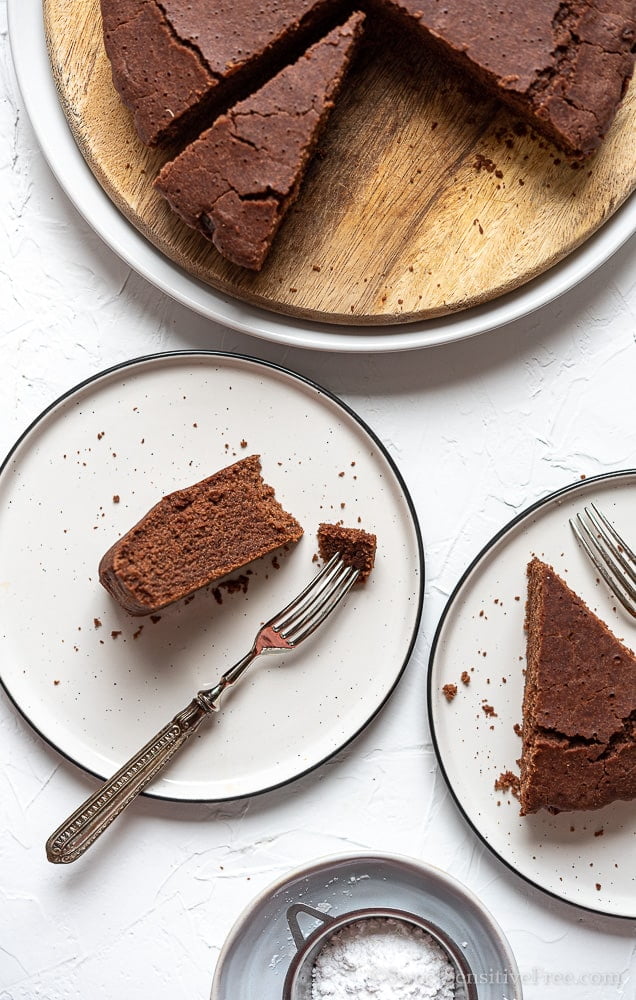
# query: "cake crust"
[[195, 536], [563, 65], [579, 705], [174, 62], [237, 181]]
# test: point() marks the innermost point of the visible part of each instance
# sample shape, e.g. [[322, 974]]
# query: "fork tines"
[[610, 554], [310, 608]]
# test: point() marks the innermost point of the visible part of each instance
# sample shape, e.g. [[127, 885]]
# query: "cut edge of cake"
[[142, 570]]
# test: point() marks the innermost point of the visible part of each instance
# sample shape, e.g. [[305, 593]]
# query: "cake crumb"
[[465, 677], [116, 498], [97, 623], [449, 691], [489, 711], [508, 781], [115, 633], [599, 833]]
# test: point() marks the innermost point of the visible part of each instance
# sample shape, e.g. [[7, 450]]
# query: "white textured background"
[[479, 430]]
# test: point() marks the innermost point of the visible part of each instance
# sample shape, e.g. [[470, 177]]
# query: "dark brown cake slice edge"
[[237, 181], [579, 704], [356, 546], [173, 63], [195, 536]]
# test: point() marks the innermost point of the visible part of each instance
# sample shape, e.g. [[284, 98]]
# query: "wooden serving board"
[[421, 203]]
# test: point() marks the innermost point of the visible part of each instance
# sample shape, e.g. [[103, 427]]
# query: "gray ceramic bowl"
[[260, 949]]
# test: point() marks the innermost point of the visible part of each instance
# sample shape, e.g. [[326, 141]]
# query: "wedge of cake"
[[356, 546], [236, 182], [195, 536], [563, 67], [579, 704], [173, 61]]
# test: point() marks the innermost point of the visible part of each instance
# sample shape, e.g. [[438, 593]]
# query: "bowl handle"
[[292, 920]]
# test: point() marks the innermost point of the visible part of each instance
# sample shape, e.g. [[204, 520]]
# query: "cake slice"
[[174, 61], [195, 536], [579, 703], [236, 182], [563, 67], [357, 547]]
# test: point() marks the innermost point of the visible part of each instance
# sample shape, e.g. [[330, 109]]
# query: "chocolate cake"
[[236, 182], [563, 65], [195, 536], [579, 704], [357, 547], [174, 61]]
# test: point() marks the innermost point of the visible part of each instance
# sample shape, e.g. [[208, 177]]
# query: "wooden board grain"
[[421, 203]]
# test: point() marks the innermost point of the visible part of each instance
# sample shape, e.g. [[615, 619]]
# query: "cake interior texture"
[[579, 704], [237, 181], [356, 546], [195, 536]]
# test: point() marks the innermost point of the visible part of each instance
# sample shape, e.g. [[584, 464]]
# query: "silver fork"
[[611, 555], [284, 631]]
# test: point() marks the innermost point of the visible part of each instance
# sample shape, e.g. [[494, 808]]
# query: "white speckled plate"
[[97, 683], [586, 858], [258, 951]]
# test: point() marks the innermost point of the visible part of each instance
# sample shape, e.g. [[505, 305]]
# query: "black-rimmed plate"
[[97, 683], [586, 858]]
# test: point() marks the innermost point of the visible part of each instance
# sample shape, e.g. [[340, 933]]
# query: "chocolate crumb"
[[465, 677], [115, 633], [508, 781], [449, 691], [97, 623], [489, 711], [116, 498]]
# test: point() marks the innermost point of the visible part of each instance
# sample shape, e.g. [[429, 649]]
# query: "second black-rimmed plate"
[[586, 858], [97, 683]]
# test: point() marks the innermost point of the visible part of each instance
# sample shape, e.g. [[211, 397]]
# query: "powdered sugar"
[[381, 958]]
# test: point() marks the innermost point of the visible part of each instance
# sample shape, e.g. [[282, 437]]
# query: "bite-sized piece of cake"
[[236, 182], [175, 60], [579, 703], [357, 547], [563, 67], [195, 536]]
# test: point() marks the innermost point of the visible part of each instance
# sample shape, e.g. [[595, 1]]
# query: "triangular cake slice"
[[579, 704], [563, 67], [236, 182], [173, 61]]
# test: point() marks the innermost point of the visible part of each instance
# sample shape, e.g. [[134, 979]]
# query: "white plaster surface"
[[479, 429]]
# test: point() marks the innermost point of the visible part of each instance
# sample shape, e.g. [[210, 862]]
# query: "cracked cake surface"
[[563, 65], [173, 61], [236, 182], [579, 704], [197, 535]]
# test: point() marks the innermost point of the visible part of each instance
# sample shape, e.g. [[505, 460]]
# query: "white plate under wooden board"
[[423, 202], [40, 95]]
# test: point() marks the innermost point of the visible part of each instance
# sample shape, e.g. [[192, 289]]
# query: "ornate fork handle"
[[82, 829]]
